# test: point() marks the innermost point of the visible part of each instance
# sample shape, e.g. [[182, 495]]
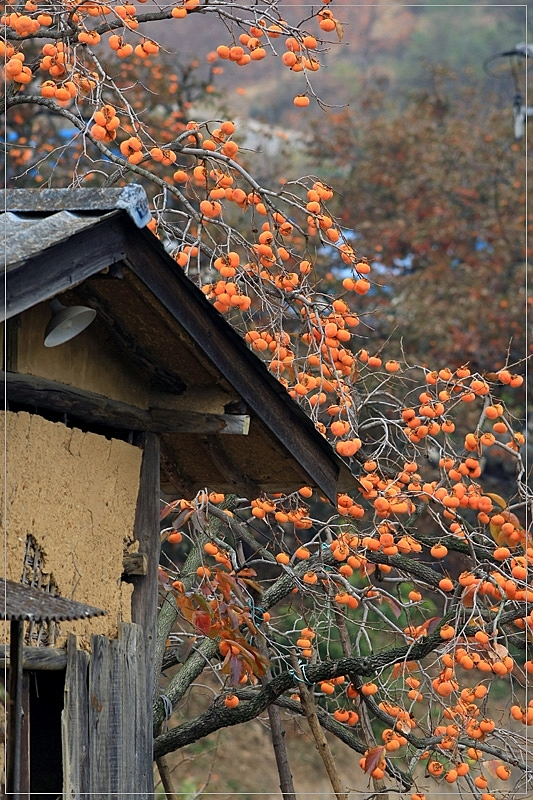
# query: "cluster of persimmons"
[[481, 557], [114, 26], [472, 596]]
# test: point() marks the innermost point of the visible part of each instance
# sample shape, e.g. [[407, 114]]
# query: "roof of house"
[[91, 246], [21, 602]]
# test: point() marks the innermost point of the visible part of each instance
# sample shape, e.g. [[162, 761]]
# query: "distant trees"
[[435, 189]]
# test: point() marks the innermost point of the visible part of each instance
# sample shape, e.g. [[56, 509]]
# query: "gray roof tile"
[[25, 236], [35, 219]]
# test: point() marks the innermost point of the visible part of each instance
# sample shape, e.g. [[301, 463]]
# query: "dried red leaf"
[[373, 757]]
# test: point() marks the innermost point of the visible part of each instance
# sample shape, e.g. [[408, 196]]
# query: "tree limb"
[[218, 716]]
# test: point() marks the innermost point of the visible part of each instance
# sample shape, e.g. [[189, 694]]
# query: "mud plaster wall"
[[76, 494]]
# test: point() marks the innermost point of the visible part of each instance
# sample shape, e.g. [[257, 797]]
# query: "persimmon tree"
[[398, 619]]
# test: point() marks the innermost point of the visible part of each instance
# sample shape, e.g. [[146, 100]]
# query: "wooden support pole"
[[144, 598]]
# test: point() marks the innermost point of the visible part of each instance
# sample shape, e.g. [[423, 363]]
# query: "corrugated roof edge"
[[21, 602]]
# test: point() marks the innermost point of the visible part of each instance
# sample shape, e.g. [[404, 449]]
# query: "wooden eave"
[[155, 308]]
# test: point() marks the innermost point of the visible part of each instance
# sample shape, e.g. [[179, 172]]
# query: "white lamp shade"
[[66, 323]]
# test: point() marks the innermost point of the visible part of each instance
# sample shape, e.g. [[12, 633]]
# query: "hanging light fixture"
[[66, 322]]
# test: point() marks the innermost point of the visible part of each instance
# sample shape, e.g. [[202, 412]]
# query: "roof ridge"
[[132, 198]]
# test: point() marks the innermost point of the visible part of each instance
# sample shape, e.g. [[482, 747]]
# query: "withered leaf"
[[373, 758]]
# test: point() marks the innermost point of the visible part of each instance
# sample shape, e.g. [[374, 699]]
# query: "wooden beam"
[[135, 564], [210, 398], [166, 420], [97, 409], [49, 658]]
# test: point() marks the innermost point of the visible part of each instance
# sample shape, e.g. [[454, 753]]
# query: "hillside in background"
[[382, 47]]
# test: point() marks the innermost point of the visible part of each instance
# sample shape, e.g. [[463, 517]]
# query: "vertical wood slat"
[[136, 727], [116, 711], [144, 599], [128, 638], [75, 724], [99, 699]]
